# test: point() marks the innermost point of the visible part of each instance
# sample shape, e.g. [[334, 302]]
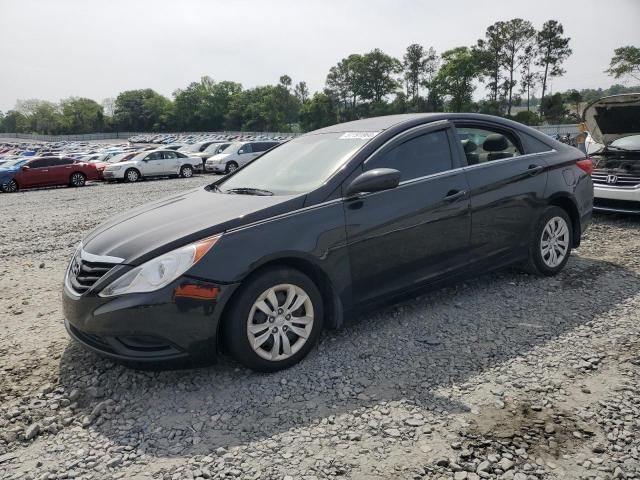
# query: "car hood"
[[158, 227], [128, 163], [611, 118]]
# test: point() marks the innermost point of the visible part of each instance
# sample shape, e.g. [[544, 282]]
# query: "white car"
[[236, 155], [155, 163], [613, 122]]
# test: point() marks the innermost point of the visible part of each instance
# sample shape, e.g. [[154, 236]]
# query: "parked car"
[[155, 163], [214, 149], [614, 122], [325, 225], [46, 172], [236, 155]]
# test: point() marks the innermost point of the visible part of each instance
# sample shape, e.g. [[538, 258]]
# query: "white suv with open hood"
[[614, 122]]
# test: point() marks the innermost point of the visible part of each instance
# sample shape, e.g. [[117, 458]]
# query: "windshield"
[[298, 166], [627, 143], [212, 147], [13, 163]]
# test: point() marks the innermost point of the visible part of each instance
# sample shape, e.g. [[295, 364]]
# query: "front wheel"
[[275, 320], [131, 176], [550, 247], [186, 171], [231, 167], [10, 187]]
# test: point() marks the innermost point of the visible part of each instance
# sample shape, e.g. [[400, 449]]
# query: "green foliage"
[[142, 110], [455, 79], [625, 61], [81, 115], [318, 112], [553, 49], [527, 117], [554, 109]]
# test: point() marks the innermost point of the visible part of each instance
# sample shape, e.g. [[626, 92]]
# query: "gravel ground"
[[505, 376]]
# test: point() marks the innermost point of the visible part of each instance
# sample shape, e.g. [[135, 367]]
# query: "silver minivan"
[[236, 155]]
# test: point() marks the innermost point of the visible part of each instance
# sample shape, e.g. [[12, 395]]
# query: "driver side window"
[[485, 145]]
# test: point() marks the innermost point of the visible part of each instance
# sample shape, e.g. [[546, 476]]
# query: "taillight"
[[585, 164]]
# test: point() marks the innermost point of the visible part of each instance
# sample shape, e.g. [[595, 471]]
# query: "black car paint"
[[362, 250]]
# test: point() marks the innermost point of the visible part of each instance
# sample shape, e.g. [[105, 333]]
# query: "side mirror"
[[25, 167], [374, 180], [240, 151]]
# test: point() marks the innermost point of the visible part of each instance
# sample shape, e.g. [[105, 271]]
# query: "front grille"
[[614, 179], [83, 274]]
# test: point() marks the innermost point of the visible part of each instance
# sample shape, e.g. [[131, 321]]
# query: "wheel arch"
[[569, 205], [331, 302]]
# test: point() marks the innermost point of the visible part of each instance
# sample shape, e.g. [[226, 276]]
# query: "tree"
[[625, 61], [318, 112], [344, 82], [518, 35], [575, 97], [489, 53], [285, 81], [40, 116], [529, 79], [15, 122], [377, 75], [553, 108], [455, 79], [203, 105], [418, 64], [142, 110], [553, 49], [301, 92], [81, 115]]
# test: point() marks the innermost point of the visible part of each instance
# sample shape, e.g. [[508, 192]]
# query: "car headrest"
[[495, 143], [469, 146]]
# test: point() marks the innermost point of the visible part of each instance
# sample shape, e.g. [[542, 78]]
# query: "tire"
[[77, 179], [186, 171], [230, 167], [10, 187], [249, 307], [550, 246], [131, 175]]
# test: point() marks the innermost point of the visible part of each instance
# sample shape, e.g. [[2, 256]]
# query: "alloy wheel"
[[554, 242], [232, 167], [280, 322], [10, 187], [77, 180], [187, 172]]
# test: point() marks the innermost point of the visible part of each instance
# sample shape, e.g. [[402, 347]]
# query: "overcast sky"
[[96, 48]]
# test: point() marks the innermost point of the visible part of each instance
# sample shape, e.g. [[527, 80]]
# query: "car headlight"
[[160, 271]]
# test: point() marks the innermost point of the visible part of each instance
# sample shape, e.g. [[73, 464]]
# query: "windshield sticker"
[[358, 135]]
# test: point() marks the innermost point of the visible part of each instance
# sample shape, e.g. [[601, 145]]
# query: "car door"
[[506, 190], [153, 164], [60, 171], [417, 232], [171, 162], [37, 173], [245, 154]]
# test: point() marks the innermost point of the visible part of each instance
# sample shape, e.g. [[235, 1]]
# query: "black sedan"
[[328, 224]]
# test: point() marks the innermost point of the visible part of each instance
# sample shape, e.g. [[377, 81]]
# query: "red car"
[[51, 171]]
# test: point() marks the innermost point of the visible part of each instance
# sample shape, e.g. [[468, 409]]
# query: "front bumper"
[[616, 200], [178, 321], [215, 167], [113, 174]]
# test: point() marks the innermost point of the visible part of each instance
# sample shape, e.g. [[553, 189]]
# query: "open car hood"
[[614, 117]]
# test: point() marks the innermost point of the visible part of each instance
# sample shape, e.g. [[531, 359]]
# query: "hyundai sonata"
[[323, 226]]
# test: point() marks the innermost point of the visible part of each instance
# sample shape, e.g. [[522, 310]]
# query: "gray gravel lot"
[[505, 376]]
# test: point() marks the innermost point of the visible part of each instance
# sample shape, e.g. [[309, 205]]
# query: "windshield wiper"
[[249, 191]]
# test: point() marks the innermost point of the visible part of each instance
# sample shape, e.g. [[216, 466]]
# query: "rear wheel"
[[275, 320], [231, 167], [132, 175], [186, 171], [10, 187], [77, 179], [550, 247]]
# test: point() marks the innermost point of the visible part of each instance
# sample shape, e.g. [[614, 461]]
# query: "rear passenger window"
[[246, 148], [38, 163], [417, 157], [154, 156], [169, 155], [484, 145]]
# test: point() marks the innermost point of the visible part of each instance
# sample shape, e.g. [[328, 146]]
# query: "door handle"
[[534, 169], [453, 195], [45, 170]]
